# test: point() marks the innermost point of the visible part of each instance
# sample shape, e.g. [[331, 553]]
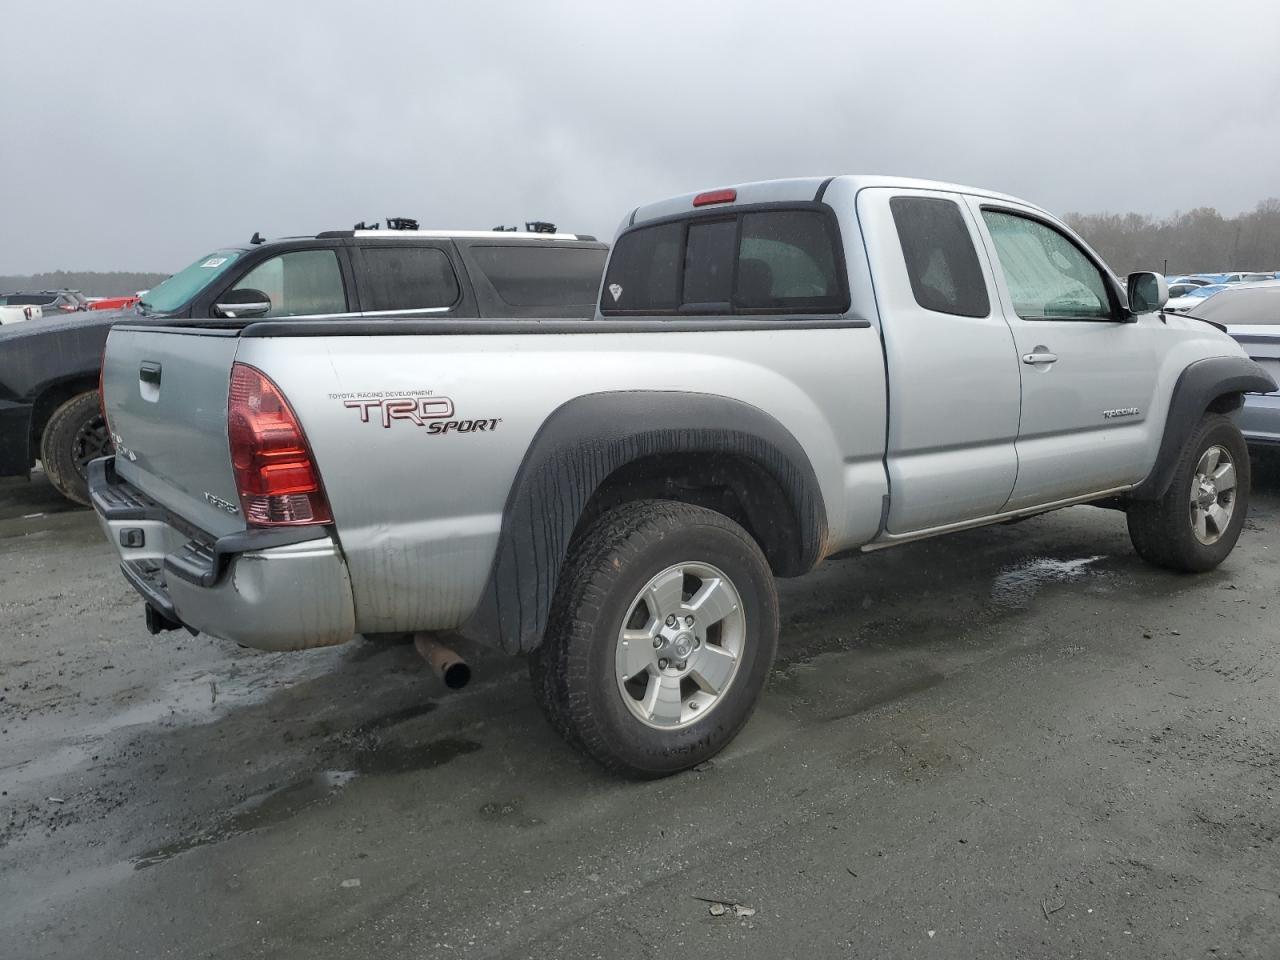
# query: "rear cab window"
[[774, 260]]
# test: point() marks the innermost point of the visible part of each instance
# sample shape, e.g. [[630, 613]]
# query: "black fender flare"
[[1198, 386], [578, 446]]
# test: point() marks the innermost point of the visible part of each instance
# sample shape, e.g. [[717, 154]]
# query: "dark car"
[[52, 301], [49, 397], [49, 370]]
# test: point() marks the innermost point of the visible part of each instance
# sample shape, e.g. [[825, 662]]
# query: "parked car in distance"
[[19, 313], [1238, 276], [776, 373], [50, 301], [1191, 298], [1251, 314], [1196, 281], [114, 303], [49, 406], [1181, 288]]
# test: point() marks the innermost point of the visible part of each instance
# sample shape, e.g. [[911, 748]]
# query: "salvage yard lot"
[[1018, 741]]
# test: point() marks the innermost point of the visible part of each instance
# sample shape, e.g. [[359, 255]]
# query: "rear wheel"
[[1195, 525], [74, 435], [660, 639]]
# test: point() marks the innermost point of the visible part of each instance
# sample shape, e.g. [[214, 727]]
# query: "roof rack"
[[530, 226]]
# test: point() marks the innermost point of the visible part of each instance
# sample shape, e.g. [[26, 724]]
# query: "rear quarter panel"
[[418, 512]]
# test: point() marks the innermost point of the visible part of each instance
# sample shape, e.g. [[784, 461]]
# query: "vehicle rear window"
[[777, 261], [1242, 306], [397, 277], [942, 263], [708, 262], [787, 260], [528, 276], [645, 271], [21, 299]]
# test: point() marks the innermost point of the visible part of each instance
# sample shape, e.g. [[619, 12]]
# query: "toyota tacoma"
[[776, 373]]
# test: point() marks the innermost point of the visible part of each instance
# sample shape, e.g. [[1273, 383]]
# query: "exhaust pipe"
[[446, 663]]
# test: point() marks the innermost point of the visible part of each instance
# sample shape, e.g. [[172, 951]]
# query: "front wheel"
[[74, 435], [1195, 525], [660, 638]]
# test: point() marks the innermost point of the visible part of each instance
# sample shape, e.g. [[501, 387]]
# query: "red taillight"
[[715, 196], [275, 473]]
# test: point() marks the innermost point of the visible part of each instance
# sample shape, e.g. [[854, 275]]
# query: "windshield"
[[24, 298], [1208, 291], [185, 284]]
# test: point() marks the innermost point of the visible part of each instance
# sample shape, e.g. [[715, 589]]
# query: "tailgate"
[[166, 400]]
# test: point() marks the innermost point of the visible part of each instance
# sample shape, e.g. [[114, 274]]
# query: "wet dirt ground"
[[1014, 742]]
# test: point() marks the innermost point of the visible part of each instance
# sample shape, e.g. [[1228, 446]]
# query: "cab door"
[[952, 368], [1088, 369]]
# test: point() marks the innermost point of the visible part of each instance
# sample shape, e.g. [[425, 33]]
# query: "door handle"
[[1040, 357], [149, 372]]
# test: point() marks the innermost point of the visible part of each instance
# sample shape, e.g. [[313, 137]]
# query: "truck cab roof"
[[798, 190]]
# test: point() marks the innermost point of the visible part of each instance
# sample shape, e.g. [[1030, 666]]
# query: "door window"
[[400, 277], [942, 263], [300, 283], [550, 276], [1049, 277]]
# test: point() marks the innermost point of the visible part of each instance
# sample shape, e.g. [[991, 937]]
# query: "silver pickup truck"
[[775, 373]]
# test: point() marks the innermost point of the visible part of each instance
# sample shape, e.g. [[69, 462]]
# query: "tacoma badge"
[[220, 503]]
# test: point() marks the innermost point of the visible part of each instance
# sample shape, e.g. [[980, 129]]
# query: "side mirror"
[[1148, 292], [243, 304]]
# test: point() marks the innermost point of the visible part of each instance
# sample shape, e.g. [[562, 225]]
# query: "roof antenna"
[[256, 238]]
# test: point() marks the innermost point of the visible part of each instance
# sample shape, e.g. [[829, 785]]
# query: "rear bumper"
[[283, 589], [15, 439], [1260, 418]]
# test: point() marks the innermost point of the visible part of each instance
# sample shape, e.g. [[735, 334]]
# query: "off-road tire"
[[1162, 531], [573, 672], [74, 433]]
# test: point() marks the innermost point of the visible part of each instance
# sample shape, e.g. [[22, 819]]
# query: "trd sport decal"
[[420, 409]]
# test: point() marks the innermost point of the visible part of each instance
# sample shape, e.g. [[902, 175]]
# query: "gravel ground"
[[1014, 742]]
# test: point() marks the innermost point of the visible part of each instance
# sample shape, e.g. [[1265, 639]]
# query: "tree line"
[[90, 283], [1198, 241]]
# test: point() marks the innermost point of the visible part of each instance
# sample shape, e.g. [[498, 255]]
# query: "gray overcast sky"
[[160, 130]]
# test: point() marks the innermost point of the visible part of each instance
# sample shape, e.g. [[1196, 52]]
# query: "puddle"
[[891, 693], [189, 699], [1016, 585], [395, 717], [284, 802]]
